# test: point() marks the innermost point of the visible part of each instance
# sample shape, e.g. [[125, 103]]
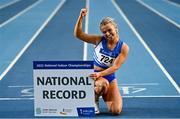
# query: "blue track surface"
[[146, 89], [175, 1], [160, 35], [170, 12], [6, 2], [10, 11], [23, 29]]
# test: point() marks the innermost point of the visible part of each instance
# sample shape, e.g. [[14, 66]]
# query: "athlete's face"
[[109, 31]]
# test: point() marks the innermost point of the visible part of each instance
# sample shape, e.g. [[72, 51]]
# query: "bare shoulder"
[[125, 48]]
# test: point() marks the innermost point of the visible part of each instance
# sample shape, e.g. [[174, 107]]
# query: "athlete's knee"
[[105, 86], [116, 111], [101, 87]]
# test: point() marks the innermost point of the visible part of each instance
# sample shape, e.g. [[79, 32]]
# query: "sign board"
[[63, 88]]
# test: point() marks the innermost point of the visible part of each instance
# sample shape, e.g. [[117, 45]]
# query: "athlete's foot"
[[97, 107]]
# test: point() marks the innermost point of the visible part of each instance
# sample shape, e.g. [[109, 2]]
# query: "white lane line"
[[153, 96], [16, 99], [86, 31], [32, 39], [172, 3], [139, 84], [149, 96], [8, 4], [146, 47], [158, 13], [23, 86], [19, 14]]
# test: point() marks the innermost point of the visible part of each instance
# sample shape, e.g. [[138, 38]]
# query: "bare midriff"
[[98, 68]]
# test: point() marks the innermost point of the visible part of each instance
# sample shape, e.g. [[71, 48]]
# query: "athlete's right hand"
[[95, 75], [83, 12]]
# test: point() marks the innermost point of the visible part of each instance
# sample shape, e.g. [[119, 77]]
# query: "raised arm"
[[78, 32]]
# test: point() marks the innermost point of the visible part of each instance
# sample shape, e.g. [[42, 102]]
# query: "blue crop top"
[[104, 57]]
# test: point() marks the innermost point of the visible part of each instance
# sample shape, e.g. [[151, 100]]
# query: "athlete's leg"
[[101, 87], [113, 98]]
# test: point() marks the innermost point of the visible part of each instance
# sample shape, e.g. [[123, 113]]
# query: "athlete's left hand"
[[95, 75]]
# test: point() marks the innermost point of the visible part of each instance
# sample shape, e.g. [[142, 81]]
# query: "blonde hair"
[[107, 20]]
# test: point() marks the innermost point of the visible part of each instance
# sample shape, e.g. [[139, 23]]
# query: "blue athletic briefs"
[[109, 77]]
